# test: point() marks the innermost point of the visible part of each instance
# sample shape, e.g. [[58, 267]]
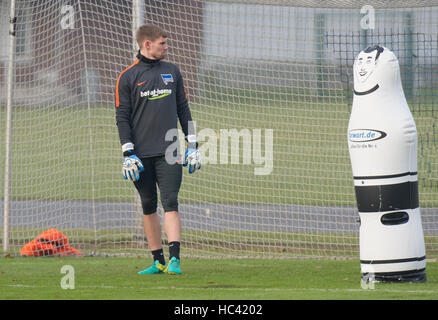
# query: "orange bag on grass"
[[50, 242]]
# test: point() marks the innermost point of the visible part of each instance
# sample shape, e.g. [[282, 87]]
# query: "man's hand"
[[192, 158], [132, 165]]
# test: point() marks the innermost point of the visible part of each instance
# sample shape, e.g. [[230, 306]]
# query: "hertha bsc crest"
[[167, 78]]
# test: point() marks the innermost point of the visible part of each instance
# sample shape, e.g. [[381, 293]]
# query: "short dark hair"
[[148, 32]]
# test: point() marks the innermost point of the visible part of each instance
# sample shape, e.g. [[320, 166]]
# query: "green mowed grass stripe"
[[283, 279]]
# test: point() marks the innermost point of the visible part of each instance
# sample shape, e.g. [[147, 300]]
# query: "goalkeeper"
[[150, 97]]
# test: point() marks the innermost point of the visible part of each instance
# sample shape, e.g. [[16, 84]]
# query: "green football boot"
[[155, 268], [173, 267]]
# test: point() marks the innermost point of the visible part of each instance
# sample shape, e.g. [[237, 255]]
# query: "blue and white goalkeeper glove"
[[132, 165], [192, 158]]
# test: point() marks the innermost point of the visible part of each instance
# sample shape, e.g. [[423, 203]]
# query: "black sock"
[[159, 255], [174, 249]]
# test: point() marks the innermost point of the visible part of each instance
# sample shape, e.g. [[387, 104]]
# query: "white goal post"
[[270, 89]]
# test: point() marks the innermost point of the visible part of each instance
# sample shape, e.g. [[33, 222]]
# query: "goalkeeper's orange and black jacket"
[[150, 96]]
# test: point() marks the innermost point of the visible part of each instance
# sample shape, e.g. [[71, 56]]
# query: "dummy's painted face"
[[365, 65]]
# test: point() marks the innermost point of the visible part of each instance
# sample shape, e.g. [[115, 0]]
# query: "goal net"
[[270, 88]]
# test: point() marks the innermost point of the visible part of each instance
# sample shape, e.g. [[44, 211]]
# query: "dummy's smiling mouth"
[[362, 73], [362, 93]]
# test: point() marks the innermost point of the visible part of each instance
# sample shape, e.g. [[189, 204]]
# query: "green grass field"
[[202, 279]]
